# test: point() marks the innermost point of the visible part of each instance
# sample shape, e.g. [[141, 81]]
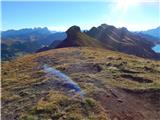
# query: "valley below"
[[101, 85]]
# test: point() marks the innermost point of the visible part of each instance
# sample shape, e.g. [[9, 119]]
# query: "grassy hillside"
[[115, 85], [76, 38], [85, 40]]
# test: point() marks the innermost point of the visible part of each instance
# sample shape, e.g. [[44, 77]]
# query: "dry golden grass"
[[92, 68]]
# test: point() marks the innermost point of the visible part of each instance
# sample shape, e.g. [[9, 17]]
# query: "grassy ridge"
[[28, 94]]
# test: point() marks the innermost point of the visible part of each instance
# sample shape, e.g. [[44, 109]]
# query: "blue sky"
[[136, 16]]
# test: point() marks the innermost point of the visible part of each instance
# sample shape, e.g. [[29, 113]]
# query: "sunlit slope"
[[122, 40], [76, 38], [115, 86]]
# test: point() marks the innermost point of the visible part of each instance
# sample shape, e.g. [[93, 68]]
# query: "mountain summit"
[[122, 40], [77, 38]]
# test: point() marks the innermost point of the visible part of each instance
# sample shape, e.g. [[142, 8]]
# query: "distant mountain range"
[[122, 40], [23, 41], [152, 32], [75, 38], [19, 42], [152, 35], [24, 34], [110, 37]]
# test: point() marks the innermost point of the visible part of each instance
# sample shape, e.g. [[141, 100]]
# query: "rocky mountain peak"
[[73, 30]]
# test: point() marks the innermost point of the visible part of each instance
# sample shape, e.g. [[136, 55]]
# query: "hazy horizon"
[[69, 27], [135, 15]]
